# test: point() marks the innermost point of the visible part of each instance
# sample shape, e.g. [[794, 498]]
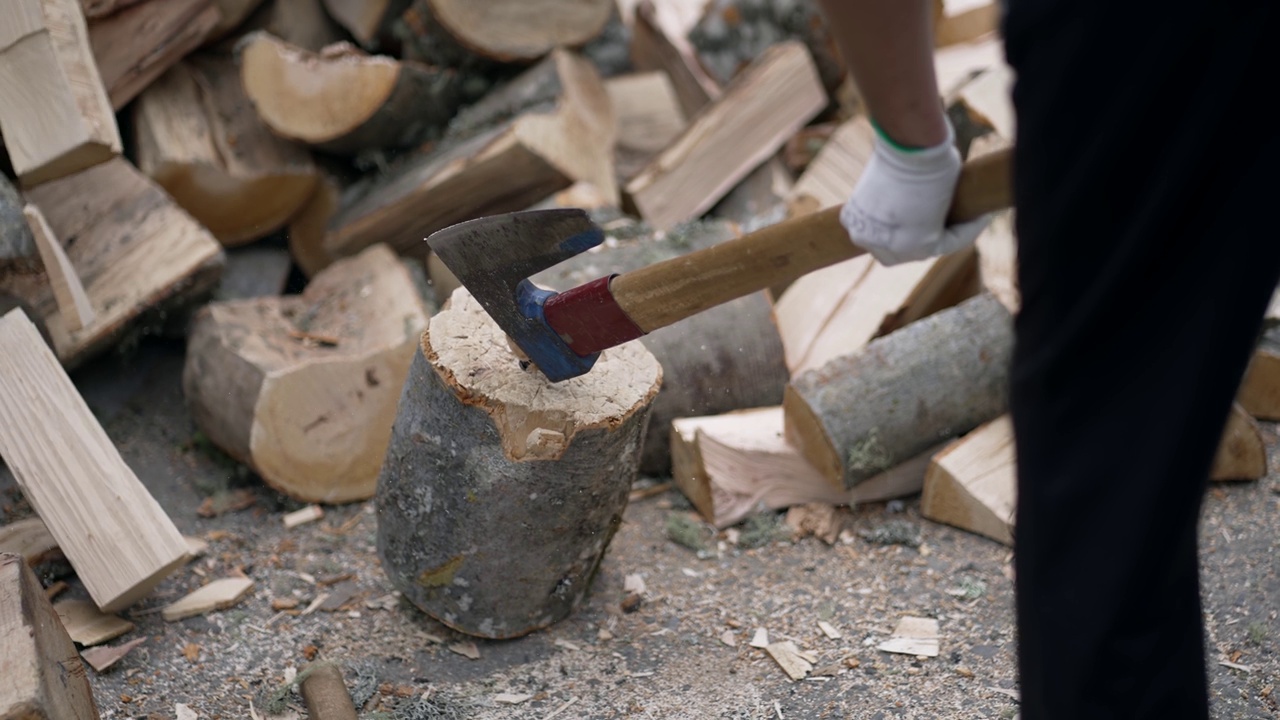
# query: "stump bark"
[[727, 358], [933, 380], [501, 491]]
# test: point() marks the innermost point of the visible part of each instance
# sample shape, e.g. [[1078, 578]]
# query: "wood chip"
[[561, 642], [466, 649], [89, 626], [184, 712], [191, 652], [196, 547], [55, 589], [788, 657], [728, 638], [913, 636], [634, 584], [104, 656], [31, 539], [284, 603], [1235, 666], [320, 599], [649, 492], [217, 595], [561, 709], [760, 639], [829, 630], [511, 698], [310, 513]]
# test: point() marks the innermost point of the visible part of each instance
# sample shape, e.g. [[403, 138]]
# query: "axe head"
[[494, 257]]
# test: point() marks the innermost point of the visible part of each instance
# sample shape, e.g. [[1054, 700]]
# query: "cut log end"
[[521, 30], [501, 490], [536, 418]]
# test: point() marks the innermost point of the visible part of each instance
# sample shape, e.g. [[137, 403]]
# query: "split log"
[[731, 34], [745, 126], [43, 675], [649, 118], [231, 14], [199, 138], [934, 379], [1259, 392], [479, 172], [57, 119], [137, 253], [972, 483], [342, 100], [726, 358], [138, 44], [832, 174], [1241, 454], [89, 626], [303, 389], [659, 42], [998, 260], [18, 252], [366, 20], [738, 464], [31, 539], [501, 491], [508, 31], [73, 303], [116, 536]]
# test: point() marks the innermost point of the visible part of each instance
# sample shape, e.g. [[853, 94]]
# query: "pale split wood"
[[199, 138], [659, 42], [102, 657], [73, 304], [304, 388], [997, 248], [43, 677], [971, 22], [87, 625], [135, 250], [765, 105], [138, 44], [56, 118], [788, 657], [219, 594], [116, 536], [648, 115], [913, 636], [521, 30], [956, 64], [1259, 392], [302, 516], [972, 483], [831, 176]]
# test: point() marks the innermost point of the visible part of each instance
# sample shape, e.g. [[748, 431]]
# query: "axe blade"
[[493, 257]]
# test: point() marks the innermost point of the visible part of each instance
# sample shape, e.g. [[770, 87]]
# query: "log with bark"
[[56, 118], [932, 380], [303, 389], [501, 491], [140, 257], [731, 34], [138, 44], [116, 536], [44, 676], [737, 464], [342, 100], [200, 139], [479, 170], [726, 358], [728, 139]]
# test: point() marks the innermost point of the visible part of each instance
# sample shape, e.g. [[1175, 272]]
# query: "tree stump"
[[501, 490]]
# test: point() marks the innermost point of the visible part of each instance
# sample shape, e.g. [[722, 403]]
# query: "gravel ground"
[[668, 658]]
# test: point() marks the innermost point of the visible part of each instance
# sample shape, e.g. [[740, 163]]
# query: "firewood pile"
[[170, 165]]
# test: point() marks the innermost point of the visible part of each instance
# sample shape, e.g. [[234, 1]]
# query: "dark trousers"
[[1147, 187]]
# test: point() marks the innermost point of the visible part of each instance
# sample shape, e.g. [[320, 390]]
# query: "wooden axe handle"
[[672, 290]]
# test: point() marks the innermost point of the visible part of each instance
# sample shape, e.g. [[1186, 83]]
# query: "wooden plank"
[[972, 483], [136, 45], [134, 251], [56, 119], [87, 625], [747, 125], [116, 536], [43, 677]]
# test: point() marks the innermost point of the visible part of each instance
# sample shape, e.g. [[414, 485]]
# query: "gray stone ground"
[[665, 660]]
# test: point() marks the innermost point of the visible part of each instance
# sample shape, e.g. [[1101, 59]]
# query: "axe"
[[563, 333]]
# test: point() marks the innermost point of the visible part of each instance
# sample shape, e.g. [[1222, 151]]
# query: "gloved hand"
[[898, 209]]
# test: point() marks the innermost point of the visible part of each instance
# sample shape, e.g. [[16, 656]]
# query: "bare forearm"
[[888, 47]]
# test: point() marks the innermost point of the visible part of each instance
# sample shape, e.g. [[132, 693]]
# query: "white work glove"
[[898, 209]]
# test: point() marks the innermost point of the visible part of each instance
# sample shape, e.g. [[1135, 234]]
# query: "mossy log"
[[501, 491], [933, 380]]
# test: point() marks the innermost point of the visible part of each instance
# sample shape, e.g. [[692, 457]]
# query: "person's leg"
[[1145, 183]]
